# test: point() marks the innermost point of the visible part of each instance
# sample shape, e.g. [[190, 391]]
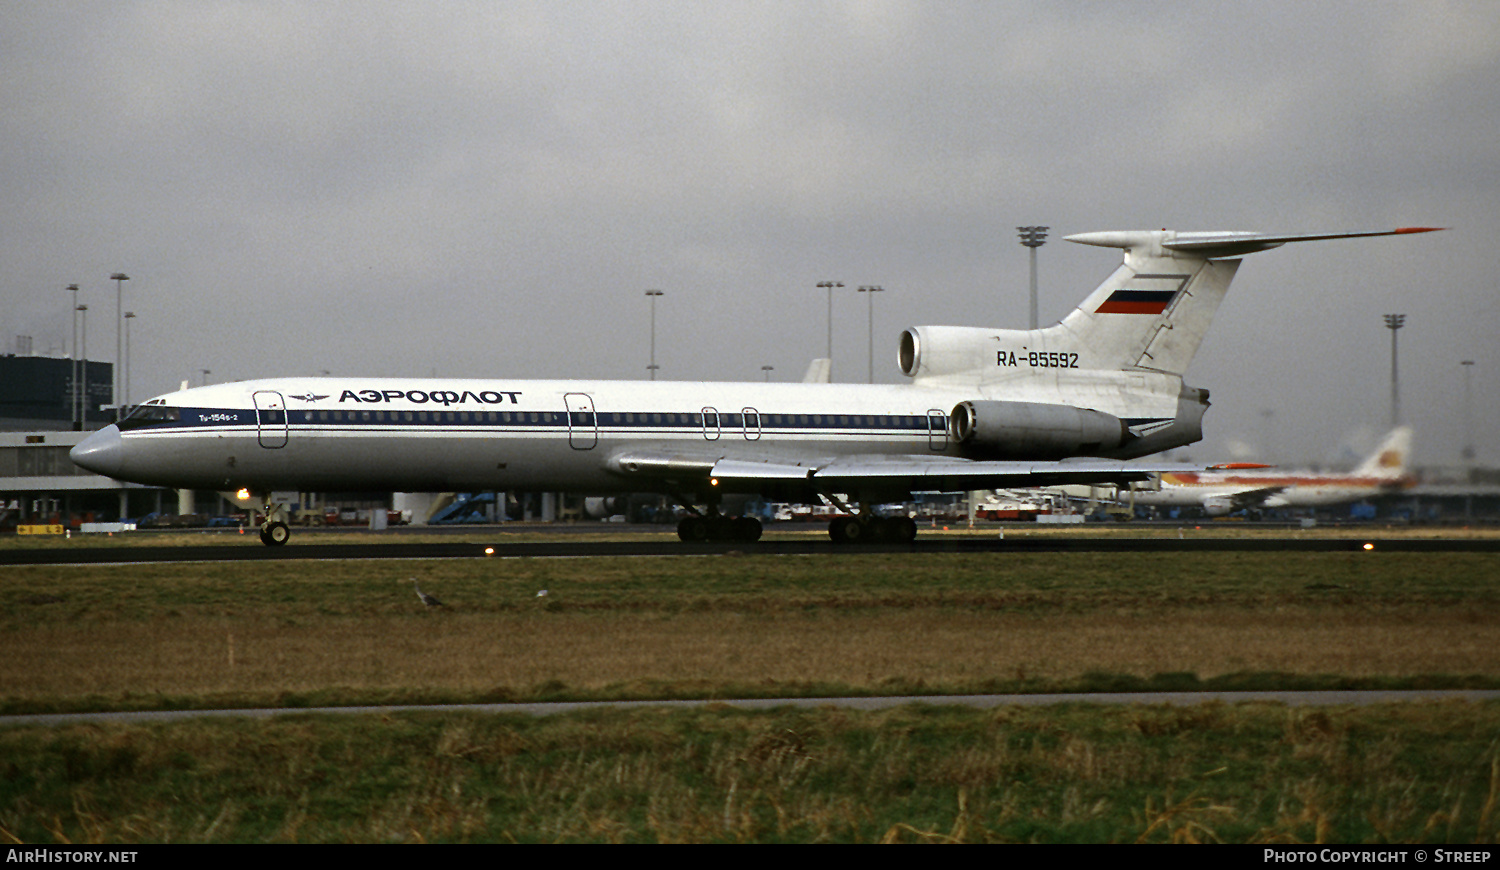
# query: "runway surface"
[[665, 546], [1173, 699]]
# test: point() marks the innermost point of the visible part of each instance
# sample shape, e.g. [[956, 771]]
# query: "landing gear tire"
[[874, 530], [847, 530], [901, 530], [694, 530], [274, 534], [746, 529], [697, 530]]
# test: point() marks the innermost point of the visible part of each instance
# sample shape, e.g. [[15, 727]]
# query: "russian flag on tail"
[[1136, 302]]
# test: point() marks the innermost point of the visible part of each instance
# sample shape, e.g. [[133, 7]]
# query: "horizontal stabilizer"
[[1221, 244]]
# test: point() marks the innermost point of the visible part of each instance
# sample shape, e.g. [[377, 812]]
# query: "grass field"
[[1244, 773], [303, 633]]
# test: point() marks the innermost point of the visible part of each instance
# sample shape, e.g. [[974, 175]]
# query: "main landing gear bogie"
[[700, 529], [872, 530]]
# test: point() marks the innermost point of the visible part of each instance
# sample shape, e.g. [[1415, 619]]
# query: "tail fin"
[[1147, 317], [1390, 458], [819, 371], [1153, 312]]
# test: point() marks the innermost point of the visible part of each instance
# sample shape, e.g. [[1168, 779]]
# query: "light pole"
[[1033, 238], [766, 372], [829, 286], [871, 290], [1468, 453], [73, 360], [1394, 322], [83, 353], [119, 278], [652, 294], [129, 316]]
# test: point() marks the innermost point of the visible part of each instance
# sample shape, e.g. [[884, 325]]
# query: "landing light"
[[1369, 546], [489, 551]]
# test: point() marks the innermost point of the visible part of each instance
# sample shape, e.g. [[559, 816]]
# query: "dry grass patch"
[[520, 655], [164, 634]]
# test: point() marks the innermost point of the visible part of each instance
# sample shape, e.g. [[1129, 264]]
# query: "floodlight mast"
[[1394, 322], [1468, 452], [83, 353], [1033, 238], [871, 290], [73, 363], [652, 367], [125, 376], [830, 286], [119, 278]]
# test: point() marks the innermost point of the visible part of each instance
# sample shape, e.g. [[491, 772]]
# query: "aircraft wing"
[[1253, 498], [878, 476], [927, 474]]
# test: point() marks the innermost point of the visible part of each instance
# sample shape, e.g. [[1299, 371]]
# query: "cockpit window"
[[150, 415]]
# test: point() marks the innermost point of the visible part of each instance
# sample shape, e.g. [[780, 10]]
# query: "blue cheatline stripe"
[[618, 423], [621, 422]]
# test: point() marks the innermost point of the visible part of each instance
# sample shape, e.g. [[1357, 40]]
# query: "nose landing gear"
[[274, 534]]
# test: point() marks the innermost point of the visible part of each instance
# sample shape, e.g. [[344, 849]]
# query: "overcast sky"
[[486, 189]]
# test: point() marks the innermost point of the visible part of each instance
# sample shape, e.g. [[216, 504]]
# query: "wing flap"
[[923, 474], [882, 475], [740, 469]]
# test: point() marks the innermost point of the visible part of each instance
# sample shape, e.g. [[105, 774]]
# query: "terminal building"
[[38, 393], [47, 405]]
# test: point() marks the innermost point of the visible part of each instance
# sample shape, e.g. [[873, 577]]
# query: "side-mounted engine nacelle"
[[1218, 505], [1033, 430]]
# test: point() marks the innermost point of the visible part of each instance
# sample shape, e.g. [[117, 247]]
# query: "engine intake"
[[1033, 430]]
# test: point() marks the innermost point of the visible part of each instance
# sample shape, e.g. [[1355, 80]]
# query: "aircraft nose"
[[101, 452]]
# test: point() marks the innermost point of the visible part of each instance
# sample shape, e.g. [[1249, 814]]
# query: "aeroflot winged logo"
[[310, 397]]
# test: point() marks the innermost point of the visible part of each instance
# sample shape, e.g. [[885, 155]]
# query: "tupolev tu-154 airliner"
[[984, 409]]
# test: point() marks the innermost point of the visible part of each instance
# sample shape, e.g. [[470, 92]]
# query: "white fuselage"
[[340, 434]]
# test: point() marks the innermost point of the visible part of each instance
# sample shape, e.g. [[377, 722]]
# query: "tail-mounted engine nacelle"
[[1033, 430], [935, 351]]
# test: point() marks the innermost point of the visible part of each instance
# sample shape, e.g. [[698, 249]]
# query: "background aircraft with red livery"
[[1255, 487]]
